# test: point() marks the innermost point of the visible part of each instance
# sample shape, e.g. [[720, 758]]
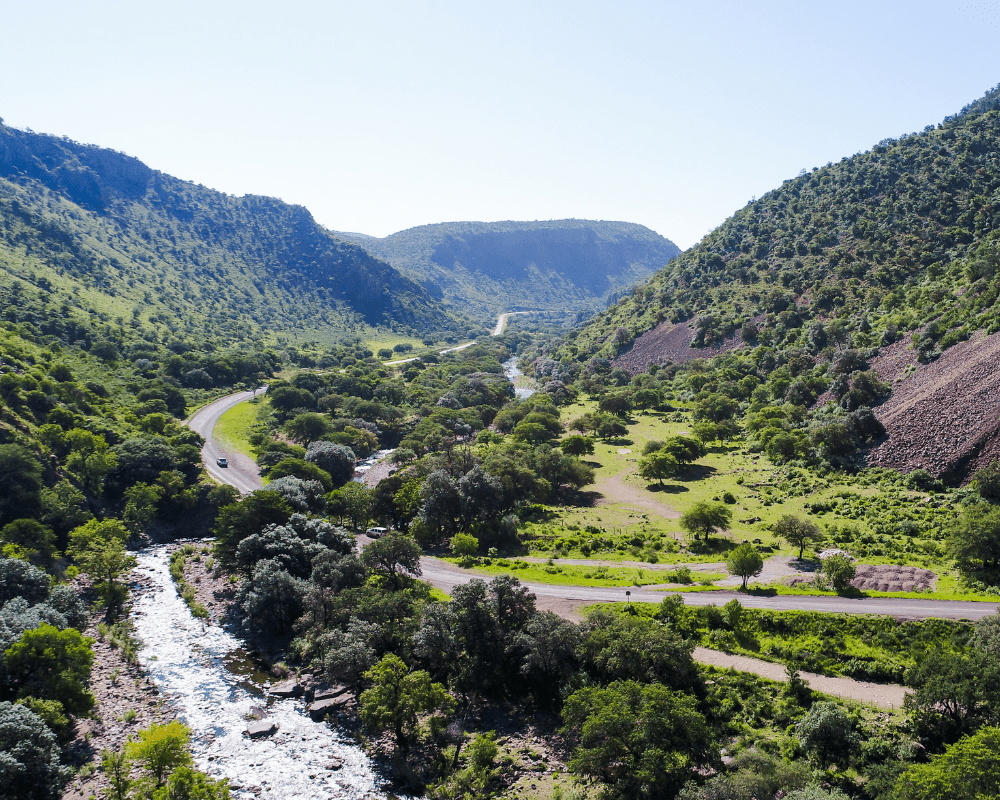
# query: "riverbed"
[[208, 676], [523, 385]]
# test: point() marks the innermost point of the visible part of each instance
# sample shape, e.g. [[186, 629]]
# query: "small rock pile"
[[892, 578]]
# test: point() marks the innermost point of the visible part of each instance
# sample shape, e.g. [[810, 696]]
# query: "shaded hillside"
[[101, 232], [561, 265]]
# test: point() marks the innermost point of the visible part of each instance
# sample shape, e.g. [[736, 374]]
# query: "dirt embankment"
[[944, 416], [670, 343]]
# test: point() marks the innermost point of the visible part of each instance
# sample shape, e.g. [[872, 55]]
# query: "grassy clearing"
[[875, 517], [574, 575], [234, 427], [864, 647]]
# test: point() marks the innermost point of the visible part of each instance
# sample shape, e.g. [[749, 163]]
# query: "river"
[[510, 369], [207, 674]]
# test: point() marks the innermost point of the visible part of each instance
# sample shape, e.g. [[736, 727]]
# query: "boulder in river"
[[262, 729], [288, 688], [330, 692], [320, 708]]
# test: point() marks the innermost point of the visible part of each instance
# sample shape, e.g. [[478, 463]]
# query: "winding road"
[[568, 600]]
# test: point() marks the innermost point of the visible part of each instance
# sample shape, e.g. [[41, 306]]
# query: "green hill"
[[838, 288], [113, 241], [562, 265]]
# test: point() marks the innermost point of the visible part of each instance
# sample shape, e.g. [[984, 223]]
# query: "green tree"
[[307, 427], [161, 749], [974, 538], [839, 570], [29, 757], [117, 768], [20, 483], [358, 502], [33, 538], [51, 664], [392, 556], [464, 544], [827, 735], [250, 515], [300, 468], [577, 445], [797, 532], [968, 770], [99, 548], [397, 697], [705, 517], [659, 465], [638, 740], [745, 561]]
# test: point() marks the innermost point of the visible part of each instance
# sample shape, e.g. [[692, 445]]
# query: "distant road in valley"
[[502, 321], [242, 471]]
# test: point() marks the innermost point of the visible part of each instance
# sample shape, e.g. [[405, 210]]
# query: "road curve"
[[242, 471], [502, 321]]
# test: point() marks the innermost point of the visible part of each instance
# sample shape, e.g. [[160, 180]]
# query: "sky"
[[379, 116]]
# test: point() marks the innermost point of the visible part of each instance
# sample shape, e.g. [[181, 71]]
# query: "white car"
[[222, 462], [376, 531]]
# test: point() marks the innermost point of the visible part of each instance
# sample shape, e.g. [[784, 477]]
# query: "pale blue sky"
[[379, 116]]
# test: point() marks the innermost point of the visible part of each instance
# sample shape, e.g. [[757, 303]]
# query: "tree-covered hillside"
[[561, 265], [832, 292], [91, 235], [896, 236]]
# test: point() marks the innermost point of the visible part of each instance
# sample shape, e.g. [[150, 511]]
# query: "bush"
[[29, 757]]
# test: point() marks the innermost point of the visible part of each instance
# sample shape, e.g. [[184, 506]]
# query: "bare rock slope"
[[670, 343], [944, 416]]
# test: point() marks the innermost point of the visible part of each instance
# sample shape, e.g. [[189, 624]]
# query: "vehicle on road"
[[222, 462], [376, 531]]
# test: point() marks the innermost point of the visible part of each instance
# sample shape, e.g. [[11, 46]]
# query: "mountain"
[[104, 237], [483, 268], [895, 247]]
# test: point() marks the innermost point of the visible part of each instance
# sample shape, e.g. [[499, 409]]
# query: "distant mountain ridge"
[[560, 265], [118, 239]]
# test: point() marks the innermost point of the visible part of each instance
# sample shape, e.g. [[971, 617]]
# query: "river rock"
[[257, 712], [320, 708], [330, 692], [286, 689], [262, 729], [335, 764]]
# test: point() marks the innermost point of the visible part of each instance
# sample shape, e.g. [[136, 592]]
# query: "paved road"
[[242, 471], [502, 321], [567, 600], [442, 352]]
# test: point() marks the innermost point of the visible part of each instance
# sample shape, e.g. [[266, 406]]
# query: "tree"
[[638, 740], [577, 445], [987, 482], [161, 749], [248, 516], [117, 767], [464, 544], [391, 556], [272, 599], [307, 427], [659, 465], [33, 538], [968, 770], [89, 458], [300, 468], [20, 579], [358, 501], [827, 735], [797, 532], [99, 548], [397, 696], [20, 483], [684, 448], [704, 517], [336, 459], [839, 570], [29, 757], [52, 664], [745, 561], [974, 538]]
